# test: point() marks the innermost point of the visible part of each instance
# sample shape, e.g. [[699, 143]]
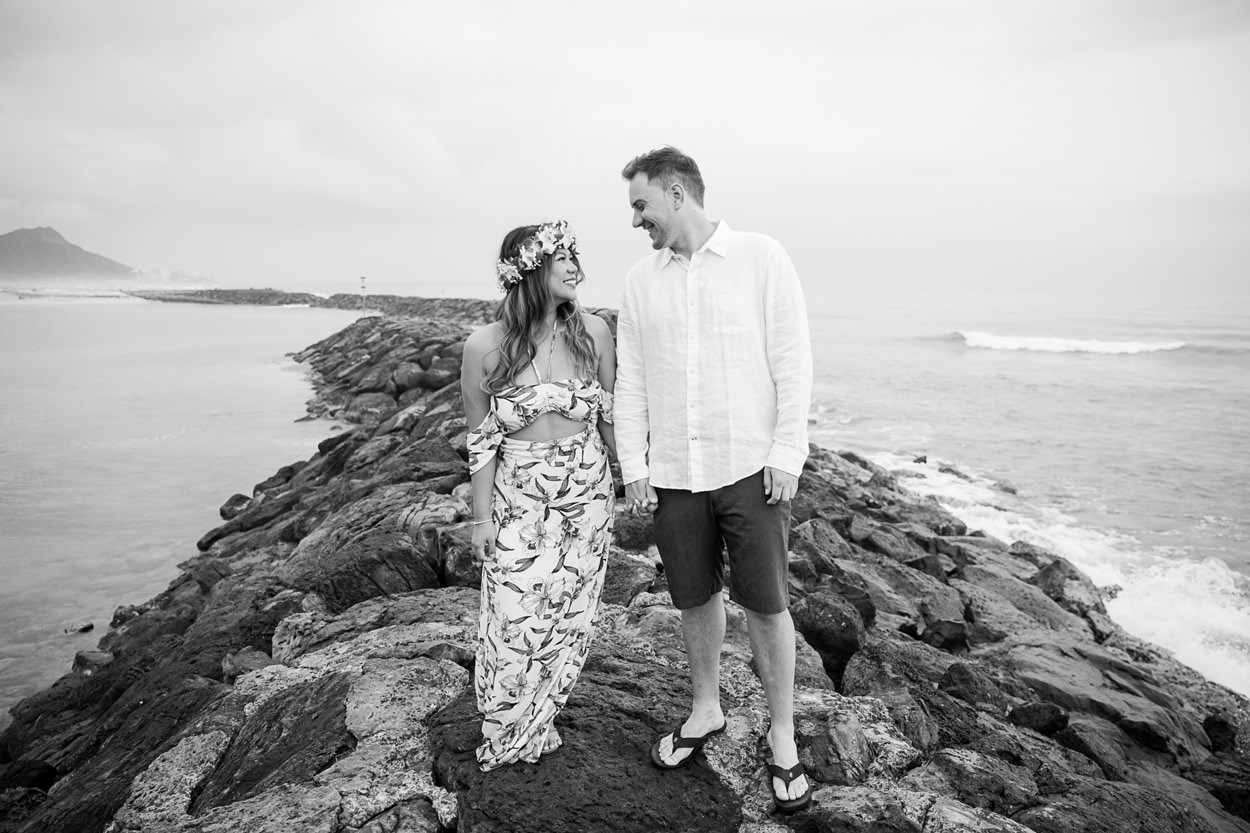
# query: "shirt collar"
[[718, 243]]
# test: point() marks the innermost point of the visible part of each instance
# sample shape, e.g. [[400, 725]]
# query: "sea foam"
[[1049, 344], [1199, 609]]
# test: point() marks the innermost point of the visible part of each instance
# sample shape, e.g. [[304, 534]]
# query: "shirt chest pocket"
[[733, 311]]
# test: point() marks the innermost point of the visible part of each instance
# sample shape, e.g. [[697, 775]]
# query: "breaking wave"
[[1048, 344]]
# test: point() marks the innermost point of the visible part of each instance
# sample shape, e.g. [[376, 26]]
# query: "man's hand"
[[640, 497], [778, 485]]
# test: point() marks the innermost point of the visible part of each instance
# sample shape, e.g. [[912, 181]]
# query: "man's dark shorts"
[[692, 529]]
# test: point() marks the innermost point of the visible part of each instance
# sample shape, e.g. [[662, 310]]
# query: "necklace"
[[555, 332]]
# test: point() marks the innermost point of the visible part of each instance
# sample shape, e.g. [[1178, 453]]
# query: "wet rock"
[[1081, 676], [629, 574], [620, 704], [864, 809], [371, 408], [1026, 598], [883, 671], [235, 504], [288, 739], [17, 805], [1068, 586], [990, 617], [1227, 777], [244, 661], [1094, 805], [975, 779], [368, 550], [943, 622], [26, 773], [1053, 768], [1101, 742], [1046, 718], [1222, 733], [633, 532], [89, 662], [832, 626], [849, 740], [975, 687]]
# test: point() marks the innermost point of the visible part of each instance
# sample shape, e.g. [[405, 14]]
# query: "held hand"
[[779, 485], [483, 542], [640, 497]]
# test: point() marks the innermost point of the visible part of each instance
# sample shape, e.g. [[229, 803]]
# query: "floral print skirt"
[[553, 507]]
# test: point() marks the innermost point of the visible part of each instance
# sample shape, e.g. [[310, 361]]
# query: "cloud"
[[308, 137]]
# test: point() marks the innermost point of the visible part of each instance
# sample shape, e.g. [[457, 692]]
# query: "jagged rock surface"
[[311, 668]]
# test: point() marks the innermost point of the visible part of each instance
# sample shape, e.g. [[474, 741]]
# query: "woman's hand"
[[483, 542]]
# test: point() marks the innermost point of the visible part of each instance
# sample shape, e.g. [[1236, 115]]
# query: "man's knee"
[[769, 622]]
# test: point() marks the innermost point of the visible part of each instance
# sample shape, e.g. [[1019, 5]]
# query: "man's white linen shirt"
[[714, 365]]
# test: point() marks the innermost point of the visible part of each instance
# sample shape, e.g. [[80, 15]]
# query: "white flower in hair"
[[507, 274], [529, 256]]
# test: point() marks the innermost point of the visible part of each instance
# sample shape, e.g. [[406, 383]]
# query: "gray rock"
[[1068, 586], [967, 682], [849, 740], [235, 504], [977, 780], [89, 662], [237, 663], [865, 810], [629, 573], [830, 625], [1227, 777], [1101, 742], [1046, 718], [1095, 806]]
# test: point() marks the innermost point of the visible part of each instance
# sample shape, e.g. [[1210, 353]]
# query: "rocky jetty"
[[310, 667], [463, 310]]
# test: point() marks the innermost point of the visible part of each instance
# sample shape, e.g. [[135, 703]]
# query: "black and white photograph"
[[564, 417]]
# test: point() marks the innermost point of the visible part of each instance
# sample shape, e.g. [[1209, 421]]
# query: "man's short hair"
[[668, 165]]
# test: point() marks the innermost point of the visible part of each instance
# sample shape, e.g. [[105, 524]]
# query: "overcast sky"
[[912, 143]]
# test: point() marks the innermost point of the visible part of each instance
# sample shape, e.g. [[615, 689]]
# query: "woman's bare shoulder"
[[484, 339], [595, 325]]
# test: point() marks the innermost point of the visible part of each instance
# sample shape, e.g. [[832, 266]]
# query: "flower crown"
[[548, 238]]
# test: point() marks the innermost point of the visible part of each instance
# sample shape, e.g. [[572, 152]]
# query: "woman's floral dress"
[[553, 507]]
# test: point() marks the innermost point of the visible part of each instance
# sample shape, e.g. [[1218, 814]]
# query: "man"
[[712, 393]]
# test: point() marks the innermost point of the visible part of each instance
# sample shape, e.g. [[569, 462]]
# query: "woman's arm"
[[602, 334], [478, 348]]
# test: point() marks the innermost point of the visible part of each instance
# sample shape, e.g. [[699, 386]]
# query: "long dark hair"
[[523, 312]]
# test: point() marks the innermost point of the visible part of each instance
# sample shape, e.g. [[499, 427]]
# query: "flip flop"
[[789, 805], [679, 742]]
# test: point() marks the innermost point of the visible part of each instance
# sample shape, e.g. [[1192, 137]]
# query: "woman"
[[537, 384]]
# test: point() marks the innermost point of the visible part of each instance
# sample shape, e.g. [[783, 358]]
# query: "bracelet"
[[479, 523]]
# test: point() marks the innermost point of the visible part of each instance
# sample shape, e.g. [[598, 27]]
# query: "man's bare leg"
[[772, 645], [703, 629]]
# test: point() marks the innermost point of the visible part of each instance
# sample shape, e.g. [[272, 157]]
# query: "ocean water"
[[124, 425], [1111, 429]]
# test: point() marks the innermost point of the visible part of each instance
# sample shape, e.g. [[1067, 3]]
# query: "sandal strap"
[[680, 742], [787, 774]]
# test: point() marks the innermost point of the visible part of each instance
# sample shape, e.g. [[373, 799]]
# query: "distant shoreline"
[[470, 310]]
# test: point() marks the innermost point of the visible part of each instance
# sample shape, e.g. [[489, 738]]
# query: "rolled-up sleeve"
[[789, 348], [632, 416]]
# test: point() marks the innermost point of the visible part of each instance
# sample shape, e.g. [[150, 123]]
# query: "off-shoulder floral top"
[[517, 406]]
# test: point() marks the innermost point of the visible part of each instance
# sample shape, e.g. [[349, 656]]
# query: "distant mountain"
[[42, 253]]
